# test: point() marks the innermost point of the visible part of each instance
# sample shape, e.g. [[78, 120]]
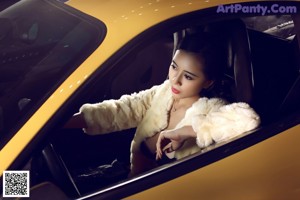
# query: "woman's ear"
[[208, 84]]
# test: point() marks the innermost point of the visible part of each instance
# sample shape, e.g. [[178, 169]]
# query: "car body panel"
[[238, 177], [117, 19]]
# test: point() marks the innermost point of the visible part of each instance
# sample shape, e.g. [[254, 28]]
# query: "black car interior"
[[274, 71], [262, 70]]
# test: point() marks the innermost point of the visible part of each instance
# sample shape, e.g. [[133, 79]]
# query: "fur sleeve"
[[225, 123], [115, 115]]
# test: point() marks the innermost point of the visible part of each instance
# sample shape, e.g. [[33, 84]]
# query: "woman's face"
[[186, 75]]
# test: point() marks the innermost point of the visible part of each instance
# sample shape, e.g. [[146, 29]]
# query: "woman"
[[173, 119]]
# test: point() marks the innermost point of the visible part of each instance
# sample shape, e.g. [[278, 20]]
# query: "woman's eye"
[[173, 66], [188, 77]]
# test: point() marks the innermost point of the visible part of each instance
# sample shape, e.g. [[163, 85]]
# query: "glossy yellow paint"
[[264, 171]]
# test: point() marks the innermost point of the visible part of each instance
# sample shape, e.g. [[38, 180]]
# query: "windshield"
[[41, 43]]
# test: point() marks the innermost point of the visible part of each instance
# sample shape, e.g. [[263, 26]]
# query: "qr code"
[[16, 184]]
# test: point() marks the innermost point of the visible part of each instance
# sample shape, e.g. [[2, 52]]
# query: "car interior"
[[262, 70]]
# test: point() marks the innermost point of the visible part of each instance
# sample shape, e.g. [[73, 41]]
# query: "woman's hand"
[[177, 137], [167, 141]]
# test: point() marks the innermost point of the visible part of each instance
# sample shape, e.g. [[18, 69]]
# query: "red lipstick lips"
[[175, 91]]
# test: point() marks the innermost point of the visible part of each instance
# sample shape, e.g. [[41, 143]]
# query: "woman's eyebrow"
[[185, 70], [175, 63], [190, 73]]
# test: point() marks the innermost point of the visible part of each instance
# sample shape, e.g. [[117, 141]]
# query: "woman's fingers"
[[161, 137], [159, 140], [168, 148], [158, 155]]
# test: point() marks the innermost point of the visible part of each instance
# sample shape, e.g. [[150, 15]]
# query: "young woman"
[[173, 119]]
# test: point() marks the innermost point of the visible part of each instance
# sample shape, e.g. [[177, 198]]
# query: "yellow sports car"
[[56, 55]]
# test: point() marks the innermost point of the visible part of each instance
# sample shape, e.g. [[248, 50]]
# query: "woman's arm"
[[225, 123], [115, 115]]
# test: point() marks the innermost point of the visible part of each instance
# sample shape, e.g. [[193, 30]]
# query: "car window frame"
[[100, 31]]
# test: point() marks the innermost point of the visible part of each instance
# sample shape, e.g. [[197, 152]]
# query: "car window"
[[41, 42], [278, 25]]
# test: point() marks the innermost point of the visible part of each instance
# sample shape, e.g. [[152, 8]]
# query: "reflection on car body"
[[79, 55]]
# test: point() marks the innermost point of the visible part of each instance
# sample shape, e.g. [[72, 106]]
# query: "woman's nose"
[[177, 79]]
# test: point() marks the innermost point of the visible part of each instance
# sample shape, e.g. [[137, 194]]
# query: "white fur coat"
[[212, 119]]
